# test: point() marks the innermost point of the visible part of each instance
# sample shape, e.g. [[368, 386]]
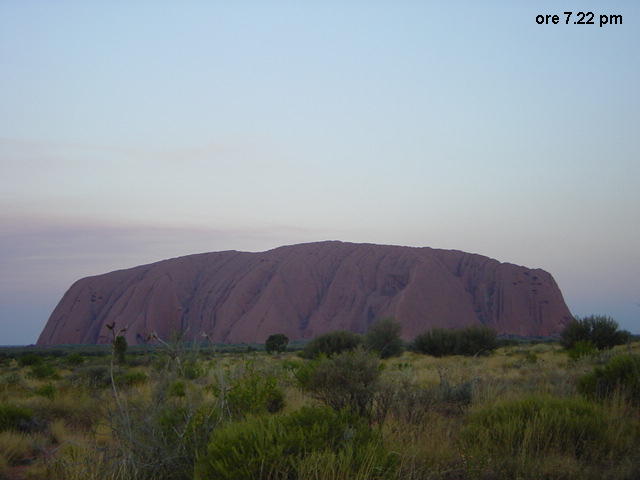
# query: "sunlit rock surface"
[[305, 290]]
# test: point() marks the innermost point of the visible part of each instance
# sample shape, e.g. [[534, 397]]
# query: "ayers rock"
[[305, 290]]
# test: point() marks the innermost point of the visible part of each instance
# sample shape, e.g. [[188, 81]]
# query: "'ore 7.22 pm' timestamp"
[[578, 18]]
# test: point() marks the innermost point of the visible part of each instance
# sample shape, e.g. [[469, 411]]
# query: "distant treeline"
[[207, 348]]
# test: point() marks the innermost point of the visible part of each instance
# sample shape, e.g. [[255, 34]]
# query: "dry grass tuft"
[[15, 446]]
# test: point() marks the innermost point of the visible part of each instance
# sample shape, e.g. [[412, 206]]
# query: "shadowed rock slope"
[[305, 290]]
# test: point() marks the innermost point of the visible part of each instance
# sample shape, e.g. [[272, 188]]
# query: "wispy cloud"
[[41, 257], [35, 238]]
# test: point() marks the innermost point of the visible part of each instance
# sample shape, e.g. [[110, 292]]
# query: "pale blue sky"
[[136, 131]]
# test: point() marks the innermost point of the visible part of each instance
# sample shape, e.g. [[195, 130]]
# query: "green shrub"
[[177, 389], [13, 417], [170, 418], [291, 365], [600, 330], [621, 374], [530, 357], [29, 360], [74, 359], [41, 371], [273, 447], [191, 369], [254, 393], [476, 340], [46, 391], [514, 435], [437, 342], [346, 381], [581, 348], [276, 343], [383, 337], [470, 341], [331, 343]]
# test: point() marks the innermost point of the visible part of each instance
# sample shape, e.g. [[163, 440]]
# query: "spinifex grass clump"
[[402, 398], [11, 380], [41, 371], [46, 391], [581, 348], [247, 390], [620, 375], [78, 409], [132, 378], [158, 435], [280, 446], [92, 376], [14, 447], [13, 417], [346, 381], [512, 437]]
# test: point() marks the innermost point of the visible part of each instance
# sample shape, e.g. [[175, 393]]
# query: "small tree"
[[276, 343], [476, 340], [470, 341], [332, 343], [383, 338], [437, 342], [600, 330], [120, 348]]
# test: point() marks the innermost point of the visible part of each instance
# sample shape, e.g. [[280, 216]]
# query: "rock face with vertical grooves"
[[306, 290]]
